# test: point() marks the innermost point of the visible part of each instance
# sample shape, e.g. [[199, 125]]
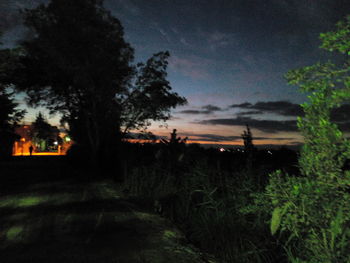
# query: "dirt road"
[[47, 215]]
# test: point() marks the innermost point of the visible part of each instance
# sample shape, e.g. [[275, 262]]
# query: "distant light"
[[67, 139], [269, 152], [55, 143], [23, 139], [221, 149]]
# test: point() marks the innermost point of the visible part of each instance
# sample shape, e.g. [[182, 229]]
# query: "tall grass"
[[207, 203]]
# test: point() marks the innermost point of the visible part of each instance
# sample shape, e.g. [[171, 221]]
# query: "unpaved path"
[[64, 220]]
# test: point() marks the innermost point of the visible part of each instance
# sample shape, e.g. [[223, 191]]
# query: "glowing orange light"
[[41, 153], [23, 139]]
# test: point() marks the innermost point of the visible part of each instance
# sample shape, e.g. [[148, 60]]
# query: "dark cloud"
[[210, 107], [242, 105], [219, 138], [344, 126], [277, 139], [173, 118], [214, 137], [195, 112], [270, 126], [284, 108], [341, 114], [341, 117], [207, 109]]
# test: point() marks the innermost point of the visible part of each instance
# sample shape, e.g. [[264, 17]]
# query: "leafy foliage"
[[314, 208], [150, 96]]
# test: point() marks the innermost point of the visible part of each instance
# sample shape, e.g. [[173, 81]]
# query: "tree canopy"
[[78, 63], [10, 115]]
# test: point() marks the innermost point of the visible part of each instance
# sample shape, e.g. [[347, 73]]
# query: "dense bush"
[[313, 210]]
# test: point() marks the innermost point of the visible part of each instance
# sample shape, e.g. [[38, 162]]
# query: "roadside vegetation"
[[248, 206]]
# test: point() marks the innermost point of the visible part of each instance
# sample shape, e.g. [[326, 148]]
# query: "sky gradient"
[[228, 58]]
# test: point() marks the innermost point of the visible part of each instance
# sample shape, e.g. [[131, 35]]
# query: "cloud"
[[270, 126], [195, 112], [207, 109], [284, 108], [210, 107], [214, 137], [219, 138], [341, 114], [344, 126], [242, 105], [173, 118]]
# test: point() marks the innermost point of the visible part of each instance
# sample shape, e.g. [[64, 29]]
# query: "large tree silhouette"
[[10, 115], [79, 64]]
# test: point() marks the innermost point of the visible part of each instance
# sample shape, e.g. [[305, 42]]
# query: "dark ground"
[[50, 213]]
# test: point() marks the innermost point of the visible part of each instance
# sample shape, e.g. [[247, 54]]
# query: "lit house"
[[56, 143]]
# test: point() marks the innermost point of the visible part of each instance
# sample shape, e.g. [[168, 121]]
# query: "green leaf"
[[276, 220], [336, 223]]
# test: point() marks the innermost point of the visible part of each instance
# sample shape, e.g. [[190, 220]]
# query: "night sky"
[[228, 59]]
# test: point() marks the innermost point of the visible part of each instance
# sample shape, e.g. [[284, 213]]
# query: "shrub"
[[314, 208]]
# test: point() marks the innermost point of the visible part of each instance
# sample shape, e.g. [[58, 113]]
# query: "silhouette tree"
[[150, 96], [171, 154], [174, 140], [41, 128], [10, 115], [43, 133], [247, 139], [79, 64], [248, 148]]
